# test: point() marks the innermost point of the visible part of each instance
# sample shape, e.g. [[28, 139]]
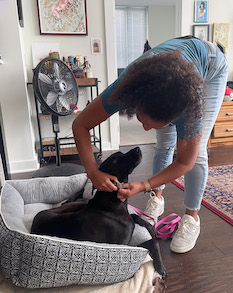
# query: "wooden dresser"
[[222, 133]]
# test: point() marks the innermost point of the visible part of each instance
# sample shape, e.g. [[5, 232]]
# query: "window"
[[131, 33]]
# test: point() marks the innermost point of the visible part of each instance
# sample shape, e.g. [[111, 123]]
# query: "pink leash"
[[167, 226]]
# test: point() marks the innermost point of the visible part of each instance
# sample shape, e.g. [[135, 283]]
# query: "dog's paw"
[[161, 270]]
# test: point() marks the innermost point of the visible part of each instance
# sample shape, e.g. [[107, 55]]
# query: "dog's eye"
[[115, 161]]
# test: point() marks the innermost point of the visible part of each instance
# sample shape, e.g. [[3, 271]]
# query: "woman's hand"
[[130, 189], [103, 181]]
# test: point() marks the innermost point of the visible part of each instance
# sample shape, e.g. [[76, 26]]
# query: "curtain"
[[131, 33]]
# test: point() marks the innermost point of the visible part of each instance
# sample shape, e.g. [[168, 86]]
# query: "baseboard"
[[107, 146], [23, 166], [32, 165]]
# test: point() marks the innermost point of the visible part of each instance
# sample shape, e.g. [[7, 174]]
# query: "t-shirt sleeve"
[[109, 106], [185, 133]]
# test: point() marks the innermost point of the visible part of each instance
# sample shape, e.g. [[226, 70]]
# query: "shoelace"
[[183, 228], [151, 204]]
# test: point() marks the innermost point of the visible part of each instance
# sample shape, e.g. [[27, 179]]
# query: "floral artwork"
[[62, 17], [221, 33]]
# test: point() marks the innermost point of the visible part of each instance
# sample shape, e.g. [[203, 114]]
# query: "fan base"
[[57, 171]]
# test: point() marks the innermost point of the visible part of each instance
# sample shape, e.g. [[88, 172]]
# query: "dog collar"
[[117, 184]]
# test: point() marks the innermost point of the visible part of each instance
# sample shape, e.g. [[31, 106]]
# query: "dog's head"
[[121, 165]]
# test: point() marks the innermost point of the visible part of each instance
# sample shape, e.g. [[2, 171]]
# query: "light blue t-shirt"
[[193, 50]]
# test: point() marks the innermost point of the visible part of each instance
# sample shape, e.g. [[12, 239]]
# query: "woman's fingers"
[[104, 182], [129, 189]]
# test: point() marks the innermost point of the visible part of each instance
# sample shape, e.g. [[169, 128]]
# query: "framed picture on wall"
[[201, 31], [96, 46], [201, 11], [62, 17], [221, 33]]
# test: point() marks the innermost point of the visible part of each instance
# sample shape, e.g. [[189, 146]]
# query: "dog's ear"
[[107, 165]]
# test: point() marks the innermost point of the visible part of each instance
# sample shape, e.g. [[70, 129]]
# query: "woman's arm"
[[90, 117], [186, 157]]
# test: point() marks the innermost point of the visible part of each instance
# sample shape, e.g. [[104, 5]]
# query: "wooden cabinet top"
[[87, 81], [227, 104], [49, 115]]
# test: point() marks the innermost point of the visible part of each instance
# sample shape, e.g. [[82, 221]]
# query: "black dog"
[[103, 219]]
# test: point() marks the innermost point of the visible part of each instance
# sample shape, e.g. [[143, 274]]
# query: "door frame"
[[109, 13]]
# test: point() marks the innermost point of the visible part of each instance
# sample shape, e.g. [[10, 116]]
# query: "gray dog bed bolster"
[[34, 261]]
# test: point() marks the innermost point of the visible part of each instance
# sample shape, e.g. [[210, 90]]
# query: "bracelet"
[[147, 185]]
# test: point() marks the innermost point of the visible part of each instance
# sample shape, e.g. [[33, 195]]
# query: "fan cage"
[[66, 102]]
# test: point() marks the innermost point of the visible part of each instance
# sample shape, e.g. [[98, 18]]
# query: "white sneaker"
[[154, 208], [186, 235]]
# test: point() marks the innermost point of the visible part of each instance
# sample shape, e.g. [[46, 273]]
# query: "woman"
[[201, 11], [176, 88]]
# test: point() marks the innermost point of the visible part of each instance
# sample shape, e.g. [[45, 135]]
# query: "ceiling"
[[145, 2]]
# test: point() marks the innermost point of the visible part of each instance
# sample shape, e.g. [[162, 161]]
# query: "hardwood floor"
[[221, 156], [209, 266]]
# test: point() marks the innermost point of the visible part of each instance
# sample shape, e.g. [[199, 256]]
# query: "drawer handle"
[[229, 130], [229, 114]]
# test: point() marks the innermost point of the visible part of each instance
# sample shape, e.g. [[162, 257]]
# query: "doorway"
[[132, 132], [157, 14]]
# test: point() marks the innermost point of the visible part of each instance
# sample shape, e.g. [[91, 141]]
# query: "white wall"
[[219, 12], [13, 93], [69, 45], [18, 103], [222, 12], [14, 98], [161, 24]]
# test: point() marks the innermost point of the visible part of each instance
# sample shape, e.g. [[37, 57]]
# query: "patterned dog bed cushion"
[[34, 261]]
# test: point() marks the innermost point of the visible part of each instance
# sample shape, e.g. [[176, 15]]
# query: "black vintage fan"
[[56, 88]]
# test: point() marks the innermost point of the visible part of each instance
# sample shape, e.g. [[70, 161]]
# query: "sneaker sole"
[[149, 220], [183, 250]]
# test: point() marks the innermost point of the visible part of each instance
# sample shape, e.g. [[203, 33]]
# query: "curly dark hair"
[[202, 3], [162, 86]]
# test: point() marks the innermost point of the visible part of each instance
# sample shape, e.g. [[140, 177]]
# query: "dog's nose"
[[138, 150]]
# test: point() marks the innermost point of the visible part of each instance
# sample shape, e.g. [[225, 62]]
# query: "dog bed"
[[34, 261]]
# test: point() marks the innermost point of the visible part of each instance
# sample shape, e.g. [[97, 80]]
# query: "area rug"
[[218, 195]]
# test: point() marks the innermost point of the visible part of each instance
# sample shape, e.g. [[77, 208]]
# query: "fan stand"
[[56, 130], [59, 169]]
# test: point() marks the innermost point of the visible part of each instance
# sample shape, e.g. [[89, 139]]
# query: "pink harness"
[[163, 225]]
